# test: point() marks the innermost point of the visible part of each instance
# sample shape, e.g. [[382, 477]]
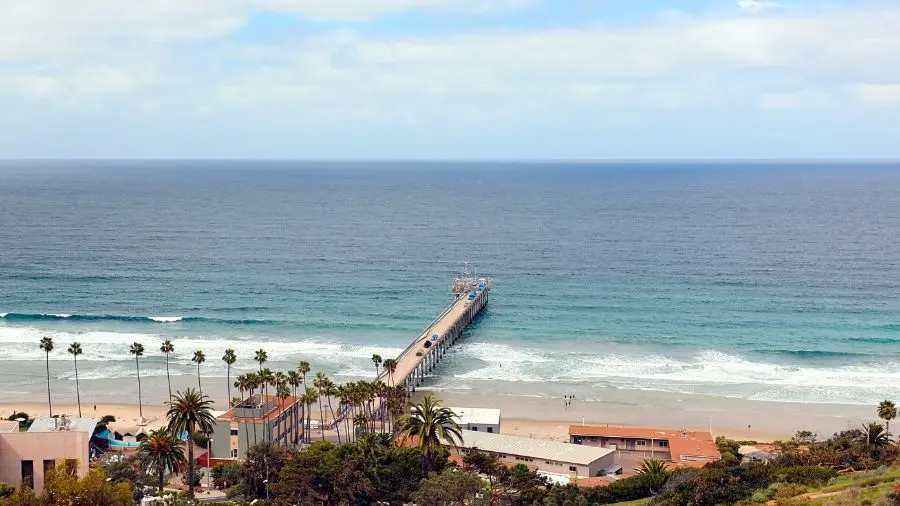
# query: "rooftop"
[[534, 448], [683, 445], [478, 416], [64, 424], [267, 406], [9, 426]]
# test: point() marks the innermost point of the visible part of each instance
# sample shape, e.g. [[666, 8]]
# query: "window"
[[474, 428], [28, 473], [234, 453], [573, 469], [664, 444], [48, 466], [490, 430], [234, 432], [640, 442]]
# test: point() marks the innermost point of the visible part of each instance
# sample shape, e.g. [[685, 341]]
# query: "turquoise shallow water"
[[770, 281]]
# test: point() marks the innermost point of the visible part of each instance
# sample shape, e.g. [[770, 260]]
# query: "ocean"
[[774, 281]]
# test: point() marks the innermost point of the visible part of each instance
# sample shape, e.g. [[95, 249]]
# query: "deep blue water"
[[769, 281]]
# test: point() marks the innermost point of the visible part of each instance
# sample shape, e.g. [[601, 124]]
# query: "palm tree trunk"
[[49, 402], [137, 366], [190, 445], [198, 380], [168, 378], [159, 478], [77, 389], [321, 419], [336, 425], [246, 429], [228, 384]]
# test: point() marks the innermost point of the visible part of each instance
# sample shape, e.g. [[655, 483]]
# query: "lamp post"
[[209, 442]]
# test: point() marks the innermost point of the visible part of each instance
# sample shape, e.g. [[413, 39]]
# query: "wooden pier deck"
[[419, 358]]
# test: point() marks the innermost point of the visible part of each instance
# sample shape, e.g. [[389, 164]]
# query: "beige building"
[[256, 419], [26, 457], [547, 456], [633, 445]]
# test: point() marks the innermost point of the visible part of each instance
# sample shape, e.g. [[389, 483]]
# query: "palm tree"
[[319, 383], [875, 435], [390, 365], [167, 348], [161, 451], [376, 359], [261, 357], [294, 380], [266, 378], [431, 424], [244, 384], [309, 398], [189, 412], [47, 346], [198, 359], [887, 411], [303, 368], [656, 472], [330, 390], [229, 358], [282, 391], [75, 350], [137, 349]]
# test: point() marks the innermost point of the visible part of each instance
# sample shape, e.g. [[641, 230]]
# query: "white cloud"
[[98, 50], [757, 5], [878, 94]]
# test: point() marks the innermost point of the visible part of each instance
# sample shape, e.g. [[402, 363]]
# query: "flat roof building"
[[27, 457], [543, 455], [478, 419], [633, 444], [256, 419]]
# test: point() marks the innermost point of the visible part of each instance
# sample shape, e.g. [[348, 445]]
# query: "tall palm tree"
[[330, 390], [887, 411], [430, 423], [229, 358], [75, 350], [198, 359], [161, 451], [390, 365], [376, 359], [137, 349], [243, 384], [319, 384], [266, 378], [261, 356], [309, 398], [282, 391], [656, 472], [47, 346], [294, 380], [189, 412], [168, 348], [303, 368]]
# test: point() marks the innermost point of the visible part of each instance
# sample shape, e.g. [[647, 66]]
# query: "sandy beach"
[[538, 417]]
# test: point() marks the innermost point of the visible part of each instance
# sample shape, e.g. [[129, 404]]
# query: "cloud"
[[878, 94], [758, 5], [164, 59]]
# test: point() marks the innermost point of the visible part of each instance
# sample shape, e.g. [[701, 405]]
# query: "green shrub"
[[790, 490], [810, 476]]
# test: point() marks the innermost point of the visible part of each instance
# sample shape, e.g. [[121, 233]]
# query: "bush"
[[790, 490], [200, 439], [890, 499], [810, 476], [6, 490]]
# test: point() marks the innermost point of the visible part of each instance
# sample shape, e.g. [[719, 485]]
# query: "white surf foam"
[[165, 319], [3, 315]]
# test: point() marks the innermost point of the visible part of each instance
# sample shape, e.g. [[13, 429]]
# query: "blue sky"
[[450, 79]]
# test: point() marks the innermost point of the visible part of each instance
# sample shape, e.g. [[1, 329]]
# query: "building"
[[257, 419], [27, 457], [539, 454], [478, 419], [633, 445]]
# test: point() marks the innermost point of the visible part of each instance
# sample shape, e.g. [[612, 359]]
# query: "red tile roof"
[[685, 446]]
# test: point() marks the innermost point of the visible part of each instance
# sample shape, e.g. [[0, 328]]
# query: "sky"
[[450, 79]]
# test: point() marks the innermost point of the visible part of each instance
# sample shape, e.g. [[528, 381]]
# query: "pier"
[[428, 349]]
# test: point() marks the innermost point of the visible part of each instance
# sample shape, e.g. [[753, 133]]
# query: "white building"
[[542, 455], [478, 419]]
